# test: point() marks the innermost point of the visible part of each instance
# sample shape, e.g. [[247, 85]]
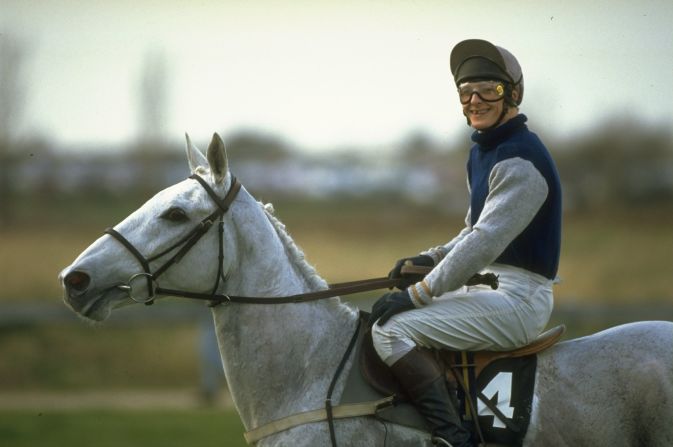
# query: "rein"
[[333, 290], [190, 239]]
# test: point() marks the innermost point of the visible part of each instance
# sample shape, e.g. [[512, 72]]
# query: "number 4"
[[500, 388]]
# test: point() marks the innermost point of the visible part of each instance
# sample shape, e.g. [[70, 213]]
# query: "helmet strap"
[[505, 109]]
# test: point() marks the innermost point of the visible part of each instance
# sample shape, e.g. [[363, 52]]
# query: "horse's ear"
[[194, 156], [217, 159]]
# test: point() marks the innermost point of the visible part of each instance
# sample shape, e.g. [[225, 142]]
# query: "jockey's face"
[[482, 102]]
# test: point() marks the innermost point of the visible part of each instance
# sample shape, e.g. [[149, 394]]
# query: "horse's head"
[[108, 274]]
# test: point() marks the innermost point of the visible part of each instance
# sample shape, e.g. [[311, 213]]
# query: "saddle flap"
[[375, 371]]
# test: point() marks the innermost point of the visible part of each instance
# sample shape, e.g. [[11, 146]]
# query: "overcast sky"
[[327, 74]]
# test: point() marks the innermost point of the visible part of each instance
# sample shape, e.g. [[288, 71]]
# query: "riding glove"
[[408, 279], [390, 304]]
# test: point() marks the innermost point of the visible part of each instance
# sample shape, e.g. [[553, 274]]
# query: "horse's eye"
[[175, 215]]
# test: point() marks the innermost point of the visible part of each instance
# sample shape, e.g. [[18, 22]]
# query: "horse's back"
[[614, 387], [618, 345], [646, 335]]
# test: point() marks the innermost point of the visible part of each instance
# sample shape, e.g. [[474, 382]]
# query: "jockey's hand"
[[409, 279], [388, 305]]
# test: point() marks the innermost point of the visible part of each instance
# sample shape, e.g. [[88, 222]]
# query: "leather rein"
[[185, 244]]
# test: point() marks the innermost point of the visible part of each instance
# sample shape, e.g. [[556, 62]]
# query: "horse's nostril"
[[78, 281]]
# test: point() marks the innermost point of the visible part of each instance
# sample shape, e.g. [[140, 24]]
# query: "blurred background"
[[323, 106]]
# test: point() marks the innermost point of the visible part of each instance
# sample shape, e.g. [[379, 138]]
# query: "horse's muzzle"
[[76, 283]]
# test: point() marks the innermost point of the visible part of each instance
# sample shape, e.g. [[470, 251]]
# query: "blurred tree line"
[[624, 164]]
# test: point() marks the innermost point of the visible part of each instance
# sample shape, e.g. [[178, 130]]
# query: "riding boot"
[[421, 378]]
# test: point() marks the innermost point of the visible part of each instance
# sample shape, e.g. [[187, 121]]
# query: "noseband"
[[184, 244]]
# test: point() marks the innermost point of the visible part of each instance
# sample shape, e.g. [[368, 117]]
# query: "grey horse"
[[614, 388]]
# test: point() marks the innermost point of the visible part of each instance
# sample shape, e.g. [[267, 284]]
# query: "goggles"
[[489, 91]]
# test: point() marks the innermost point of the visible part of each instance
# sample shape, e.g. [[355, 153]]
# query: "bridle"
[[184, 244]]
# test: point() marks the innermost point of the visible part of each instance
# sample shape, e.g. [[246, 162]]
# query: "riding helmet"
[[479, 59]]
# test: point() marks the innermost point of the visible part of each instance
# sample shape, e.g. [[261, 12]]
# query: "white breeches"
[[472, 318]]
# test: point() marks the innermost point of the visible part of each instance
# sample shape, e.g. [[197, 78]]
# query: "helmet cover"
[[479, 59]]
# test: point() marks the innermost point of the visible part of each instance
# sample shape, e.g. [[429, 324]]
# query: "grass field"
[[608, 257], [80, 357], [106, 428]]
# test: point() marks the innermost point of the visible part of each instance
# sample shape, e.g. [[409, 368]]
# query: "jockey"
[[512, 228]]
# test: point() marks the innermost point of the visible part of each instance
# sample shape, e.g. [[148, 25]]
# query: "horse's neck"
[[278, 359]]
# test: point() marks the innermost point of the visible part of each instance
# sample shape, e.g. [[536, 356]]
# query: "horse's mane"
[[296, 255]]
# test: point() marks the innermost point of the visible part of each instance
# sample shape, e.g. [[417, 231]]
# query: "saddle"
[[371, 380], [378, 375]]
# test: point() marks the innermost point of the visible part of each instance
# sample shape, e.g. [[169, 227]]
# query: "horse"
[[613, 388]]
